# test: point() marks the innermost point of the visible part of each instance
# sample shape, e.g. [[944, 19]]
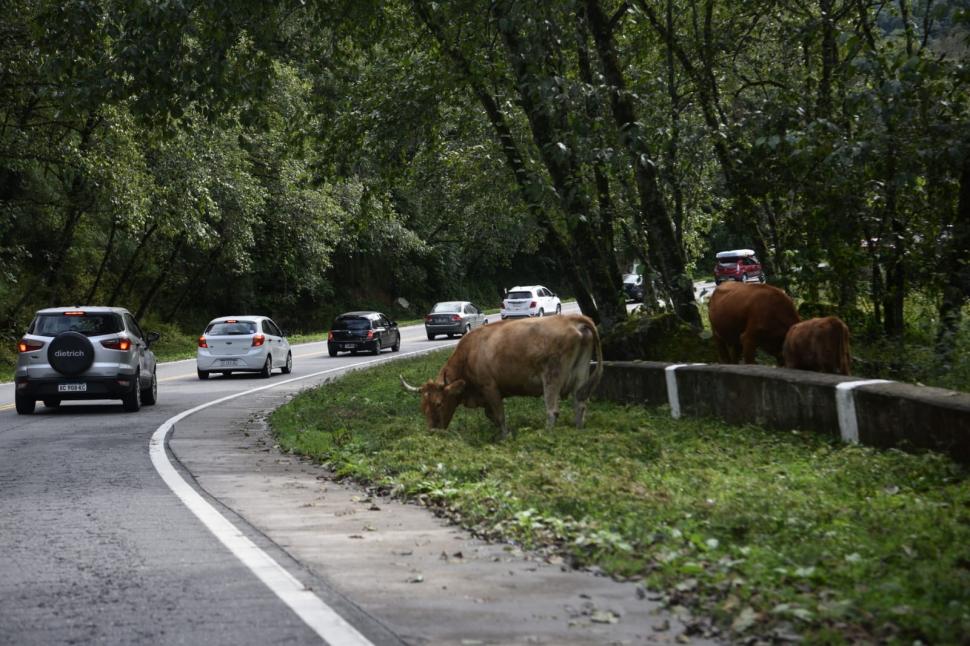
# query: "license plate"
[[72, 388], [227, 362], [349, 346]]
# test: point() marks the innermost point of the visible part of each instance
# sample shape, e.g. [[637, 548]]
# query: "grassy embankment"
[[764, 531]]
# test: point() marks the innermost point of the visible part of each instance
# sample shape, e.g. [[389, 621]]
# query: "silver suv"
[[85, 353]]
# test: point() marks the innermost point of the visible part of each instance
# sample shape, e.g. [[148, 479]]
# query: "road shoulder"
[[427, 581]]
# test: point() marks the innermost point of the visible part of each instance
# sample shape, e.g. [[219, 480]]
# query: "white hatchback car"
[[243, 344], [530, 300]]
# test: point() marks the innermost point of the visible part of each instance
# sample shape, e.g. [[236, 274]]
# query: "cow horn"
[[408, 387]]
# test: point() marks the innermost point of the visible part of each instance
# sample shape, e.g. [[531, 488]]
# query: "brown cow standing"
[[546, 356], [748, 316], [820, 344]]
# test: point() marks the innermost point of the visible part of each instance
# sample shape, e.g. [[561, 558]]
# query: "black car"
[[356, 331], [633, 287]]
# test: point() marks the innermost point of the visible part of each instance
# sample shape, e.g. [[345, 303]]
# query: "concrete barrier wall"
[[872, 412]]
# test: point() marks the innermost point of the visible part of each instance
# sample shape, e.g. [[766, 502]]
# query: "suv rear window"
[[520, 294], [225, 328], [351, 323], [88, 324]]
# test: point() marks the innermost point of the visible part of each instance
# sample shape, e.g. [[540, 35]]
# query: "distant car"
[[243, 344], [85, 352], [633, 287], [453, 317], [356, 331], [739, 265], [530, 300]]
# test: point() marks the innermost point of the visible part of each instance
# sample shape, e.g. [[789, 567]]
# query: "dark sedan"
[[368, 331], [453, 317]]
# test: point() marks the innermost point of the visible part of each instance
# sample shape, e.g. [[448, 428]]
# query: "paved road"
[[110, 536]]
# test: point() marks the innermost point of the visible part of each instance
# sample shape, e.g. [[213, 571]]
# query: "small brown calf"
[[819, 344]]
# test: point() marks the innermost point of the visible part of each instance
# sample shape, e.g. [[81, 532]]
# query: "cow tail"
[[584, 391]]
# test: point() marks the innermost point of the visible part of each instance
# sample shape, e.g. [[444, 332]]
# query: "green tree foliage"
[[189, 158]]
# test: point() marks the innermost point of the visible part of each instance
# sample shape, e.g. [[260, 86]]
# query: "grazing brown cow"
[[748, 316], [820, 344], [546, 356]]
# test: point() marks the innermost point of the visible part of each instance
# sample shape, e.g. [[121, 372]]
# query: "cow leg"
[[495, 410], [723, 352], [550, 393], [749, 346], [579, 412], [551, 396]]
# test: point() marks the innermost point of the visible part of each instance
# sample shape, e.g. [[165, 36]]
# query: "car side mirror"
[[152, 337], [284, 333]]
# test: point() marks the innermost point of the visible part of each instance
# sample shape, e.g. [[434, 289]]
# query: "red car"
[[739, 265]]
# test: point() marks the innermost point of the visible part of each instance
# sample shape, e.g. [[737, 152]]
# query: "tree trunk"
[[160, 279], [108, 248], [956, 269], [652, 214], [527, 183], [125, 276], [564, 170], [704, 79]]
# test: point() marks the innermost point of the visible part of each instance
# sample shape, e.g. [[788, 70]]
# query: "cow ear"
[[455, 387]]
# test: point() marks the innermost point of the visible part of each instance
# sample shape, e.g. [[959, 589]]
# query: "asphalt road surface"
[[184, 524]]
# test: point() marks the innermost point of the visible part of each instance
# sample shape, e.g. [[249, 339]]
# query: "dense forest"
[[189, 159]]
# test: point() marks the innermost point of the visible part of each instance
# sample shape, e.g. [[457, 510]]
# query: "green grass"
[[760, 530]]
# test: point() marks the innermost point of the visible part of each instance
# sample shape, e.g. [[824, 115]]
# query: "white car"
[[243, 344], [530, 300]]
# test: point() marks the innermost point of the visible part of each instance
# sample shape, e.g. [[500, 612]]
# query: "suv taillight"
[[117, 344], [202, 343], [370, 334], [330, 335], [26, 345], [534, 304], [258, 340]]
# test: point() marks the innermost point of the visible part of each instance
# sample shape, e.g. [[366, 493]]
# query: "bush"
[[661, 337]]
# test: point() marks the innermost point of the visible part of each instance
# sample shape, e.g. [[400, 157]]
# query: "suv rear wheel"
[[25, 405], [132, 401], [150, 395]]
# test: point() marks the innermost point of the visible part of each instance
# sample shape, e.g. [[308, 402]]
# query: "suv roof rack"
[[736, 253]]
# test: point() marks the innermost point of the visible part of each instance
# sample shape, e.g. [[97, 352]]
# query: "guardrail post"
[[845, 407]]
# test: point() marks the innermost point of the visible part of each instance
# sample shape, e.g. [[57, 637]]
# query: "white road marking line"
[[320, 617]]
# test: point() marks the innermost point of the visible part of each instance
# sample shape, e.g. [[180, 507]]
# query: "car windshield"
[[631, 278], [728, 262], [447, 307], [87, 323], [351, 323], [229, 328], [515, 295]]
